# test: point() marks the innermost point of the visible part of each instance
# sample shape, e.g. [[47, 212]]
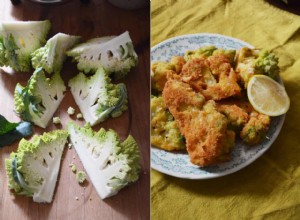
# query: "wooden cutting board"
[[98, 18]]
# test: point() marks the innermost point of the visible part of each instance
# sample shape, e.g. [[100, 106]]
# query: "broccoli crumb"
[[71, 111], [79, 116], [73, 168], [80, 176], [56, 120]]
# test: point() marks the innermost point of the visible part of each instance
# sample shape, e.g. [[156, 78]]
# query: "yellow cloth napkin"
[[269, 188]]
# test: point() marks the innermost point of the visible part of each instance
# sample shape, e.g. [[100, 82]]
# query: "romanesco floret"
[[18, 40], [267, 63], [56, 120], [80, 176], [52, 56], [251, 62], [32, 170], [71, 111], [97, 98], [39, 99], [115, 54], [109, 163]]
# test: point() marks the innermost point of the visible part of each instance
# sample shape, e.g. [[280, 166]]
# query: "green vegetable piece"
[[73, 168], [80, 176], [39, 99], [52, 56], [110, 163], [115, 54], [18, 40], [56, 120], [32, 170], [97, 98], [71, 111]]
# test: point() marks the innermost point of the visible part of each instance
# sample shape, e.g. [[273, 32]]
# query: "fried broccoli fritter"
[[159, 74], [204, 128], [197, 73], [178, 63], [164, 130], [256, 128], [252, 125], [237, 116]]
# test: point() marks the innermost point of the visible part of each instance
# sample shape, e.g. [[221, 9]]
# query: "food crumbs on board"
[[56, 120], [76, 198], [71, 111], [79, 116], [70, 145]]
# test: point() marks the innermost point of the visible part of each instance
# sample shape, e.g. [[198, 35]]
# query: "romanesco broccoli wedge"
[[251, 62], [115, 54], [110, 163], [32, 170], [18, 40], [39, 99], [97, 98], [52, 56]]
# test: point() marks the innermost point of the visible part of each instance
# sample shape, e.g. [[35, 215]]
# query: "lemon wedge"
[[267, 96]]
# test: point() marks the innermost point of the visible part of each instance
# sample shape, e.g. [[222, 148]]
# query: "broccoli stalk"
[[53, 54], [39, 99], [97, 98], [32, 170], [115, 54], [18, 40], [110, 163]]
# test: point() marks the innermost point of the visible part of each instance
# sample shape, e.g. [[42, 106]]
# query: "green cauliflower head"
[[18, 40], [39, 99], [115, 54], [97, 98], [52, 56], [110, 163], [32, 170]]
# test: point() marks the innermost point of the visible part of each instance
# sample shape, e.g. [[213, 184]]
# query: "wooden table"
[[98, 18]]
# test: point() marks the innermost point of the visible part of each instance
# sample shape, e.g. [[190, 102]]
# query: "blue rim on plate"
[[178, 163]]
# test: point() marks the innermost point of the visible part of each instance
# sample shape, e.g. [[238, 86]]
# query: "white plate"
[[177, 163]]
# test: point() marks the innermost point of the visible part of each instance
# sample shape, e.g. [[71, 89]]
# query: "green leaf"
[[6, 126], [10, 132]]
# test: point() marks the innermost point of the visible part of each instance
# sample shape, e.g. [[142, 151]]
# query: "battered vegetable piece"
[[202, 52], [178, 63], [250, 62], [164, 130], [159, 74], [197, 73], [256, 128], [237, 116], [204, 128], [226, 85], [230, 54], [252, 125]]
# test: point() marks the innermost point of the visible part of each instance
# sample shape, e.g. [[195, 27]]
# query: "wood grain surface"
[[98, 18]]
